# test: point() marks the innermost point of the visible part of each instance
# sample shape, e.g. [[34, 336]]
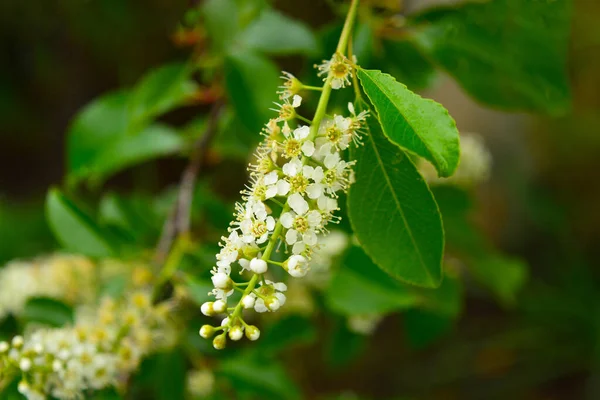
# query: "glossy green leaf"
[[99, 143], [418, 125], [75, 230], [275, 33], [393, 213], [47, 311], [359, 287], [161, 90], [251, 81], [506, 53]]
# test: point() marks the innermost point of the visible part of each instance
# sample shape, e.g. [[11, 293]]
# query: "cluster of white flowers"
[[475, 164], [295, 182], [98, 352], [66, 277]]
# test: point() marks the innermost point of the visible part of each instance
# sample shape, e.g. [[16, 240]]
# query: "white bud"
[[272, 304], [25, 364], [248, 302], [258, 266], [220, 341], [252, 332], [297, 266], [56, 366], [207, 309], [207, 331], [17, 341], [236, 333], [221, 280], [219, 306], [23, 387], [4, 346]]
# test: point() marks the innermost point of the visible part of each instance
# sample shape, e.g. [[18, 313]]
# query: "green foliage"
[[402, 60], [75, 230], [359, 287], [393, 213], [251, 81], [506, 53], [418, 125], [265, 35], [47, 311]]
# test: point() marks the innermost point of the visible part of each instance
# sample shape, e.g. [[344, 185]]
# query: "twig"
[[178, 222]]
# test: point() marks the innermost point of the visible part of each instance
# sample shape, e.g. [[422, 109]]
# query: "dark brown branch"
[[178, 222]]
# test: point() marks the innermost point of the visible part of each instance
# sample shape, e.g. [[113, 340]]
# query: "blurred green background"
[[541, 205]]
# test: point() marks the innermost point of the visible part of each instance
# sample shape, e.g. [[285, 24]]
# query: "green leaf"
[[159, 91], [343, 346], [379, 293], [423, 327], [251, 81], [275, 33], [47, 311], [510, 54], [75, 230], [289, 331], [265, 377], [418, 125], [221, 21], [445, 300], [393, 213], [198, 290], [99, 143], [505, 276], [404, 61]]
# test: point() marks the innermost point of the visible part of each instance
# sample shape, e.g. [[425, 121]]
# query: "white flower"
[[339, 68], [230, 251], [336, 132], [258, 266], [298, 204], [249, 300], [221, 280], [290, 87], [297, 266], [293, 167], [287, 110], [256, 223], [301, 227], [275, 186], [271, 296]]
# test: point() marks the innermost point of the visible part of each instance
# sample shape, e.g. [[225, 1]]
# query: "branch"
[[178, 222]]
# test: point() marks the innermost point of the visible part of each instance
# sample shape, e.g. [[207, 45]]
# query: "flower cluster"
[[295, 182], [66, 277], [101, 350], [475, 164]]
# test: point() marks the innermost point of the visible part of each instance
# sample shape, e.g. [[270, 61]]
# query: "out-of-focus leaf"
[[161, 377], [424, 327], [266, 378], [286, 333], [47, 311], [445, 300], [161, 90], [343, 346], [251, 82], [505, 276], [75, 230], [359, 287], [275, 33], [198, 290], [99, 143], [393, 213], [221, 21], [402, 60], [506, 53], [418, 125]]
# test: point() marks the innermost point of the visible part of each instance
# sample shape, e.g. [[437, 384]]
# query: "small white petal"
[[298, 204], [298, 248], [258, 266], [270, 178], [270, 223], [314, 190], [331, 160], [271, 192], [280, 287], [351, 108], [287, 219], [291, 236], [259, 306], [314, 218], [296, 101], [308, 148], [310, 238], [283, 187], [301, 132]]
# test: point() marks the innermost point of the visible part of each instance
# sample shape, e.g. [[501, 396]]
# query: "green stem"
[[347, 31]]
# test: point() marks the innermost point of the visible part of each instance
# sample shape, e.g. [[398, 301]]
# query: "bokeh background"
[[542, 202]]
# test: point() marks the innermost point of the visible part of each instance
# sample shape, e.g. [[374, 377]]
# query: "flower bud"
[[272, 303], [219, 306], [296, 266], [252, 332], [23, 387], [250, 251], [248, 301], [25, 364], [236, 333], [208, 309], [207, 331], [220, 341], [258, 266], [222, 281], [17, 341]]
